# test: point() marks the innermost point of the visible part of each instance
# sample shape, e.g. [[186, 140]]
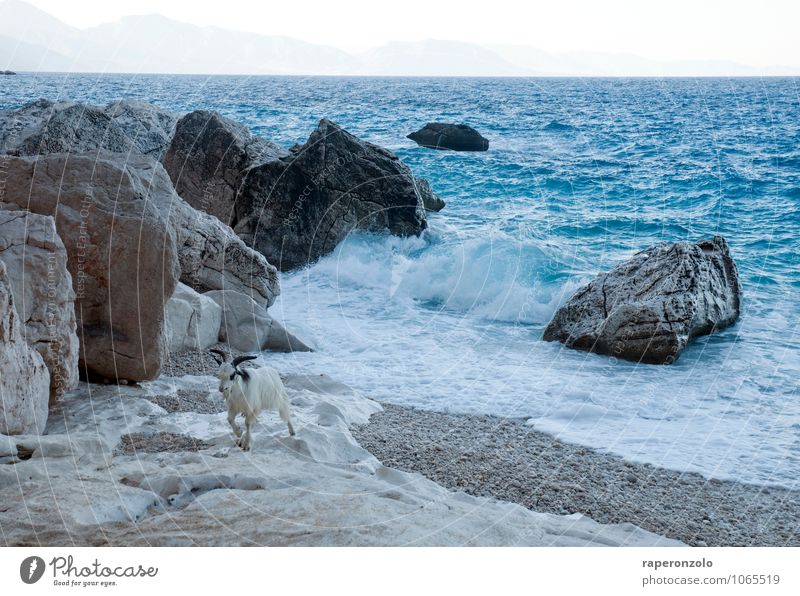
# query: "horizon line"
[[408, 76]]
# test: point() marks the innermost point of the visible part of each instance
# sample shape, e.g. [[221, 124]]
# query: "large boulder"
[[136, 225], [298, 208], [208, 158], [193, 320], [121, 253], [42, 127], [247, 327], [458, 137], [36, 265], [24, 380], [648, 308]]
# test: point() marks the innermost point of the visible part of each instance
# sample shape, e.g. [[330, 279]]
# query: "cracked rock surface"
[[648, 308]]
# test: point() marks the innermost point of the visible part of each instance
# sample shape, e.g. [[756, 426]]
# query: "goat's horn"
[[239, 359], [223, 357]]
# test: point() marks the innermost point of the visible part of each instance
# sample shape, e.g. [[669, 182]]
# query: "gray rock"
[[121, 252], [212, 256], [36, 265], [193, 320], [148, 127], [298, 208], [458, 137], [42, 127], [245, 324], [24, 379], [280, 340], [247, 327], [123, 224], [208, 158], [430, 199], [648, 308]]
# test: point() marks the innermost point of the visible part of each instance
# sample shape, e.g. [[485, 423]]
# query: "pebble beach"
[[506, 459]]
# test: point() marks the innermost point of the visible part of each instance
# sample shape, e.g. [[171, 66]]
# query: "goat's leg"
[[232, 421], [283, 412], [247, 437]]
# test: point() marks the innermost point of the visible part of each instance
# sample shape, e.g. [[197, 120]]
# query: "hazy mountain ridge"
[[33, 40]]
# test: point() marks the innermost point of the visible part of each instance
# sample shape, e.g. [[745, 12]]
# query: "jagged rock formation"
[[649, 308], [298, 208]]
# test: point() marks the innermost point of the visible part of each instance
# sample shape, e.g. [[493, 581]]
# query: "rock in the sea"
[[247, 327], [648, 308], [208, 157], [121, 252], [298, 208], [36, 265], [430, 199], [458, 137], [24, 380], [193, 320], [42, 127]]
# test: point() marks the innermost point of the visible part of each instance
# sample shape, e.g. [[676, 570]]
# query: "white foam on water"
[[456, 326]]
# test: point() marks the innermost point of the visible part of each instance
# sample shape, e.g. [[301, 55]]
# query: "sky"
[[755, 33]]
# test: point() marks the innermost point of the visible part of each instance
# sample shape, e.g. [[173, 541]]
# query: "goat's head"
[[228, 371]]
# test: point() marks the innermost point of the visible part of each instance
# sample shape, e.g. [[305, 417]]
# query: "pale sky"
[[755, 32]]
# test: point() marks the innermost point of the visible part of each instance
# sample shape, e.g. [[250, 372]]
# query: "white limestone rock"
[[24, 379], [36, 265], [193, 320]]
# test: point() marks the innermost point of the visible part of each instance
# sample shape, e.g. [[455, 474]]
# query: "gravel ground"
[[508, 460], [162, 442], [189, 401], [194, 362]]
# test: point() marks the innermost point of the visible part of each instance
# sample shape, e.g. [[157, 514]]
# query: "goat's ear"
[[239, 359], [219, 355]]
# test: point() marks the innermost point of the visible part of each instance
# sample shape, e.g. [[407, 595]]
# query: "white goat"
[[248, 392]]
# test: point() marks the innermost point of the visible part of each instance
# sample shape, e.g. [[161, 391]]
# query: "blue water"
[[581, 173]]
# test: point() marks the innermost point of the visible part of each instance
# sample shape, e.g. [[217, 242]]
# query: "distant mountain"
[[154, 43], [433, 57], [32, 40], [20, 55], [614, 64]]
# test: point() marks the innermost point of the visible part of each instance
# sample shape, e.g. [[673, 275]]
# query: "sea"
[[581, 173]]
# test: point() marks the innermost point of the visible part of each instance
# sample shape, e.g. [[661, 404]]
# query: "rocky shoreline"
[[507, 459], [214, 214], [172, 476]]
